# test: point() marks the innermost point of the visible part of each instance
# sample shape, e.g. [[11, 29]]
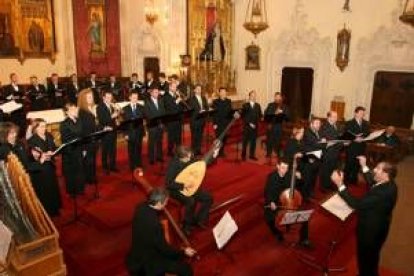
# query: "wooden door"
[[393, 99], [297, 84]]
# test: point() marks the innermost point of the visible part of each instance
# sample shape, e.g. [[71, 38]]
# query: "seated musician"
[[277, 182], [389, 138], [183, 158], [150, 254]]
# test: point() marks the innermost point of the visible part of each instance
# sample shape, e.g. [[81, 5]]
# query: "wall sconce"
[[151, 12], [408, 14], [342, 50]]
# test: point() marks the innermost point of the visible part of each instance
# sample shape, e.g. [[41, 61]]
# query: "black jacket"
[[330, 132], [251, 115], [149, 247], [223, 112], [275, 185], [353, 127], [73, 92], [18, 96], [88, 122], [374, 210], [152, 113], [104, 116], [196, 108], [278, 119], [134, 130]]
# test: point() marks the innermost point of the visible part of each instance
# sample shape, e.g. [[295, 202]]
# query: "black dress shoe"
[[253, 158]]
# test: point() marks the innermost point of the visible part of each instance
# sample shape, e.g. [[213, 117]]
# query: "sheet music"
[[338, 207], [64, 145], [5, 241], [224, 230], [296, 217], [51, 116], [316, 153], [374, 135], [11, 106]]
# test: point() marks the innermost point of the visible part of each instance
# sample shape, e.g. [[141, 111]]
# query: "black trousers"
[[135, 151], [174, 131], [249, 138], [270, 217], [310, 173], [203, 198], [273, 136], [109, 151], [328, 165], [197, 130], [368, 257], [352, 166], [89, 162], [155, 143]]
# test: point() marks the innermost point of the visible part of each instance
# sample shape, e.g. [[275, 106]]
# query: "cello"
[[290, 198]]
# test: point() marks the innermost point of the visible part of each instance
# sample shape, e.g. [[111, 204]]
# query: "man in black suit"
[[73, 88], [275, 114], [389, 138], [115, 87], [163, 85], [251, 114], [135, 84], [199, 106], [134, 130], [193, 216], [14, 91], [95, 85], [174, 108], [37, 95], [277, 182], [150, 253], [56, 92], [359, 128], [107, 115], [312, 141], [374, 211], [150, 83], [153, 109], [183, 87], [329, 131], [222, 115]]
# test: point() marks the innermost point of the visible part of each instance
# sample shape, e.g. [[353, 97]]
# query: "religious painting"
[[252, 57], [27, 29], [96, 28], [209, 41]]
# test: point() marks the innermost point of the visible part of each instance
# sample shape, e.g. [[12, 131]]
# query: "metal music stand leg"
[[76, 217], [324, 267]]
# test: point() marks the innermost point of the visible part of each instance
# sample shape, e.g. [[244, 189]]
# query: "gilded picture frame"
[[27, 29], [252, 57]]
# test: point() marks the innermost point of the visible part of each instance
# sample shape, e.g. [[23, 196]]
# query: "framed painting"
[[252, 57], [96, 28], [27, 29]]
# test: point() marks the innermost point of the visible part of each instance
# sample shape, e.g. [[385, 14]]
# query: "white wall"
[[65, 63], [303, 33], [166, 39]]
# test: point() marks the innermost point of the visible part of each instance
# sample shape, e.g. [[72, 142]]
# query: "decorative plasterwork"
[[388, 49], [300, 46]]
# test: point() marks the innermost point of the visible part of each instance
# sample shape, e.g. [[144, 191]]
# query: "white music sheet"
[[11, 106], [224, 230], [51, 116], [338, 207], [296, 217], [374, 135]]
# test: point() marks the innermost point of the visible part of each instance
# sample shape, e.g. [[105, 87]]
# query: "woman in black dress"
[[9, 144], [72, 161], [45, 180], [87, 117]]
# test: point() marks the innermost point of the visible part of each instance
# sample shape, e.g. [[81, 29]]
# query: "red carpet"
[[98, 243]]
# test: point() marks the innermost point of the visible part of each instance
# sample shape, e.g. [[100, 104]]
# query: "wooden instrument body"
[[192, 177]]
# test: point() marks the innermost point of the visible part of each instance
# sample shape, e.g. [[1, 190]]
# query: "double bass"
[[290, 198]]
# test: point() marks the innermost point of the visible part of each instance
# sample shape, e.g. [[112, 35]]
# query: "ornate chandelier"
[[256, 17], [151, 12], [408, 14]]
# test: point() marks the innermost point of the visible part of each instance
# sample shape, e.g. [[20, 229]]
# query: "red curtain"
[[211, 17]]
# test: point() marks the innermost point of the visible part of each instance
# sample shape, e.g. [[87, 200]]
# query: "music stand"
[[332, 205]]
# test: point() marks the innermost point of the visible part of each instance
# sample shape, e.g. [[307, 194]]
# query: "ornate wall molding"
[[388, 49], [300, 46]]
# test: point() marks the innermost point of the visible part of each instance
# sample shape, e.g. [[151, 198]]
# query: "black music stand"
[[324, 267]]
